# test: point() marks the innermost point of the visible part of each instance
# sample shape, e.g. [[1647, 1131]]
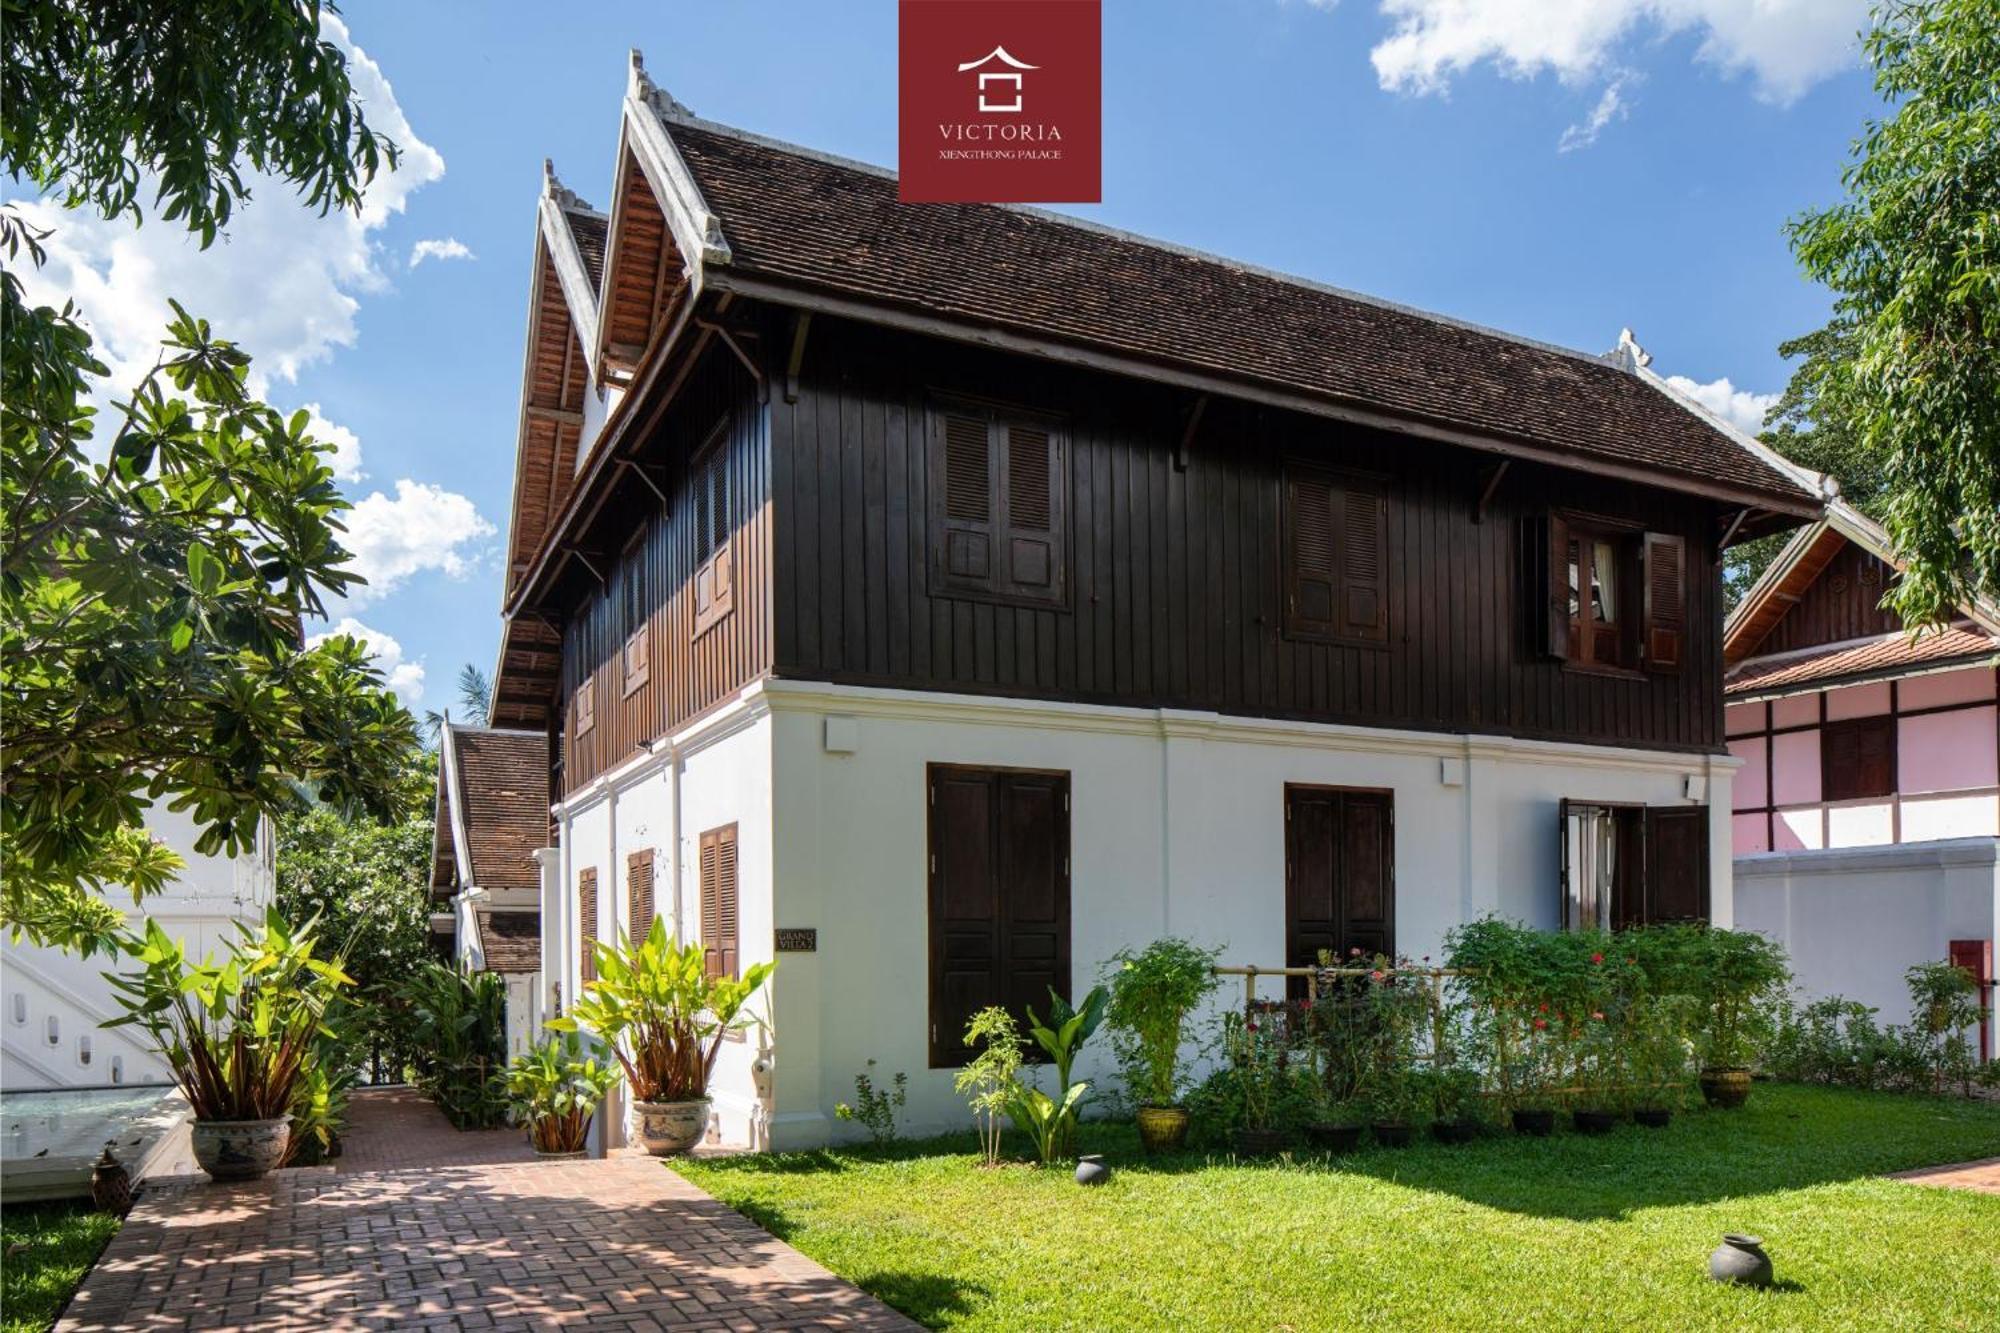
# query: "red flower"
[[1354, 952], [1541, 1023], [1250, 1026], [1631, 962], [1597, 958], [1377, 974], [1542, 1008], [1596, 1015]]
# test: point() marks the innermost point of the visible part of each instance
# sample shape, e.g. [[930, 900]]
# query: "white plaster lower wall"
[[54, 1001], [1854, 919], [1177, 826]]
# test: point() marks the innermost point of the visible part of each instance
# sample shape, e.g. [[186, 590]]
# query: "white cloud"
[[423, 528], [346, 457], [448, 248], [283, 281], [405, 678], [1785, 46], [1610, 106], [1739, 407]]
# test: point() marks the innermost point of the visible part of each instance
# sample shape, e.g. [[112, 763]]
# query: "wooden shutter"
[[1364, 574], [964, 456], [1557, 624], [719, 916], [1666, 601], [1034, 512], [714, 578], [1976, 957], [1857, 758], [1340, 860], [639, 893], [1677, 863], [1312, 582], [586, 920], [999, 897]]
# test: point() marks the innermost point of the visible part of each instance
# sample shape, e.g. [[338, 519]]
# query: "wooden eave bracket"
[[1493, 476], [1186, 446], [801, 325], [644, 475], [729, 338]]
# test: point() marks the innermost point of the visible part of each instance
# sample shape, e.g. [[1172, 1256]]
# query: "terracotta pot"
[[1725, 1089], [1259, 1142], [1741, 1260], [1163, 1128], [1338, 1139], [669, 1128], [240, 1149], [1455, 1131], [1538, 1124], [1391, 1135], [1652, 1117], [1593, 1122]]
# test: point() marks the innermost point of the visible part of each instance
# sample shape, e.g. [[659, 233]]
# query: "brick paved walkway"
[[1981, 1176], [493, 1244]]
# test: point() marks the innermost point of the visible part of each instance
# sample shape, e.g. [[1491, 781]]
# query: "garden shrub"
[[458, 1025], [1835, 1040]]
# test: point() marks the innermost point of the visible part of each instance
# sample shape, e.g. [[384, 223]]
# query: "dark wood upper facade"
[[1170, 584]]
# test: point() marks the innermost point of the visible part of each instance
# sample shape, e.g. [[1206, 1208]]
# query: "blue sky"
[[1557, 168]]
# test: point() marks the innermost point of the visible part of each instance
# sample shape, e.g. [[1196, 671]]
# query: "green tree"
[[155, 585], [1909, 368]]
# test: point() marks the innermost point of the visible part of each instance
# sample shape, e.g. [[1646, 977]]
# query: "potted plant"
[[1152, 994], [1599, 1077], [1255, 1058], [660, 1012], [1741, 970], [1657, 1057], [240, 1036], [1398, 1008], [1454, 1103], [1533, 1067], [1337, 1024], [555, 1090]]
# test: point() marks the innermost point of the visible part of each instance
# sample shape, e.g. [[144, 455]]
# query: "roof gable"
[[496, 785]]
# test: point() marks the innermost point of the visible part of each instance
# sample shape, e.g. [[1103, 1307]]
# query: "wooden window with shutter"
[[713, 519], [1336, 556], [999, 504], [586, 921], [1857, 758], [1605, 596], [636, 659], [585, 710], [1666, 601], [719, 930], [639, 893], [1630, 865]]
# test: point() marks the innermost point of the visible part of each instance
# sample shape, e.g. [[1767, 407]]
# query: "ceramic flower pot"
[[670, 1128], [1393, 1135], [579, 1155], [1593, 1122], [1337, 1139], [1091, 1170], [240, 1149], [1455, 1131], [1539, 1124], [1652, 1117], [1741, 1260], [1725, 1089], [1259, 1142], [1163, 1128]]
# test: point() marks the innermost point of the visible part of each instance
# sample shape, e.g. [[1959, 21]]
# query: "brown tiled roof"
[[512, 940], [793, 217], [503, 790], [1876, 657], [588, 231]]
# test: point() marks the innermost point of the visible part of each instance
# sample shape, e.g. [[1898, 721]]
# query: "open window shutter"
[[1364, 536], [586, 916], [639, 892], [1311, 575], [727, 934], [1666, 601], [1034, 512], [1558, 623], [711, 903], [1677, 863], [966, 454]]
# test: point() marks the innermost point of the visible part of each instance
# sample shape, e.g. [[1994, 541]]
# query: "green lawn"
[[45, 1249], [1564, 1233]]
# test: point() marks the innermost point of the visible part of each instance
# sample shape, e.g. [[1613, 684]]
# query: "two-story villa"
[[949, 596]]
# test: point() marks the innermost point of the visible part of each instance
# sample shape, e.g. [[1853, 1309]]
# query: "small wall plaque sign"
[[797, 940]]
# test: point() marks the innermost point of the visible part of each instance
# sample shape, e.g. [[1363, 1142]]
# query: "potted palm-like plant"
[[656, 1007], [1152, 994], [240, 1035], [555, 1089], [1741, 971]]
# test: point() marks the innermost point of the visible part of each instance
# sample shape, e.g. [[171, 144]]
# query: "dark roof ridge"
[[688, 118]]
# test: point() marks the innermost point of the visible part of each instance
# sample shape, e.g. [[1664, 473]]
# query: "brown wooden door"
[[999, 897], [1340, 880], [1677, 863]]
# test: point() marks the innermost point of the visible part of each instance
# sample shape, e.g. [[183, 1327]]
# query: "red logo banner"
[[1001, 101]]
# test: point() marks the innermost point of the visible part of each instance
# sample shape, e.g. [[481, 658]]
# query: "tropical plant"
[[1828, 1040], [655, 1005], [556, 1088], [874, 1109], [1741, 974], [1152, 994], [1944, 1007], [457, 1024], [988, 1080], [156, 576], [1062, 1038], [319, 1107], [239, 1034]]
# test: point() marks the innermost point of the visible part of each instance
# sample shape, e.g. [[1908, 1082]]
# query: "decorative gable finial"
[[1628, 353], [553, 187], [641, 86]]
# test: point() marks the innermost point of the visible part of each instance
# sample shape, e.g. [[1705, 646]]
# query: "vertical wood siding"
[[1843, 603], [1176, 596]]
